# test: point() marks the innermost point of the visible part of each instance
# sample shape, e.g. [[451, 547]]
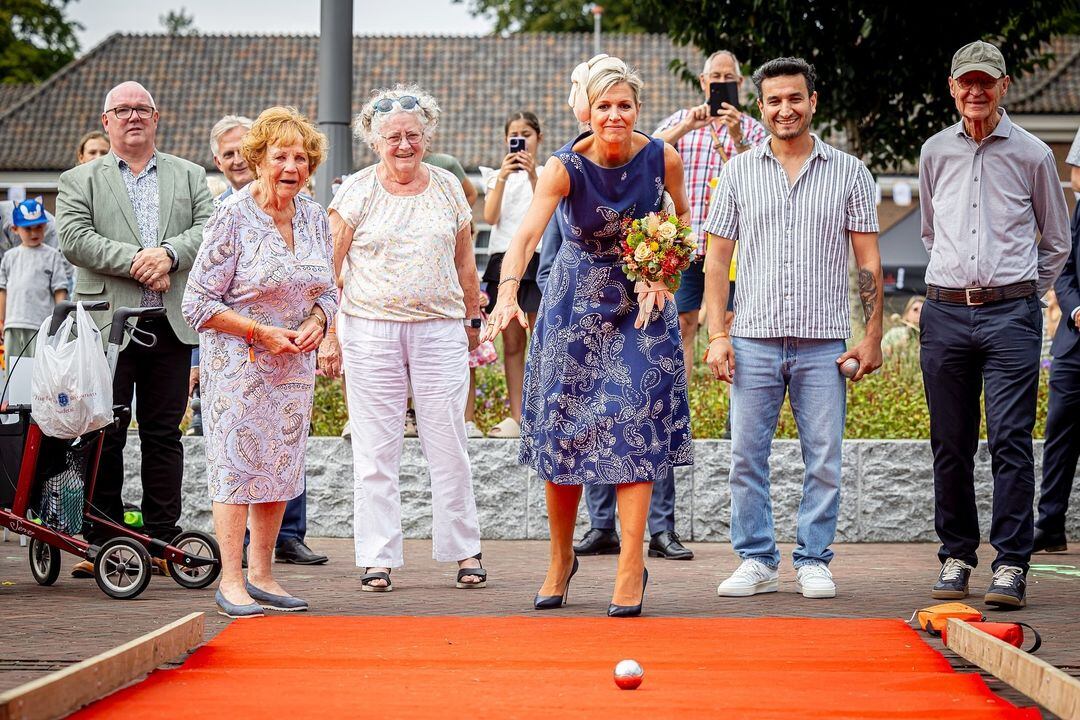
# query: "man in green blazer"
[[131, 222]]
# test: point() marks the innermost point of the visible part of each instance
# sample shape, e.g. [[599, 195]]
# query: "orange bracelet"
[[716, 336], [251, 340]]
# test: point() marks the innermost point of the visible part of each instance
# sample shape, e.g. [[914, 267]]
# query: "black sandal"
[[366, 586], [479, 572]]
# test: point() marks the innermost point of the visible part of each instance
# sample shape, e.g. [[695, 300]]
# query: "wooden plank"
[[61, 693], [1054, 689]]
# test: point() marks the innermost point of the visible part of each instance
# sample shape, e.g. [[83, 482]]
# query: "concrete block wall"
[[886, 496]]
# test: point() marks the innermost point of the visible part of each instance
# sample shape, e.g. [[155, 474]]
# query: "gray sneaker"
[[1008, 589], [952, 583]]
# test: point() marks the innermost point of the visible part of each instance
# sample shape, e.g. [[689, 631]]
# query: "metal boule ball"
[[628, 674]]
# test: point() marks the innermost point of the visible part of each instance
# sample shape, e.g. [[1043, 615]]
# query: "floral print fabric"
[[256, 415], [605, 403]]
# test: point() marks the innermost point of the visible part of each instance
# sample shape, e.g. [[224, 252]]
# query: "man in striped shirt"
[[795, 205]]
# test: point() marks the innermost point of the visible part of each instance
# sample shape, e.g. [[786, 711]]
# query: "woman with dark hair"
[[509, 192], [92, 145]]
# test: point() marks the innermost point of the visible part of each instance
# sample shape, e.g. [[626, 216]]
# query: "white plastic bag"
[[71, 386]]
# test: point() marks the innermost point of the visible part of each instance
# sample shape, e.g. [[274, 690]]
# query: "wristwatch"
[[472, 322]]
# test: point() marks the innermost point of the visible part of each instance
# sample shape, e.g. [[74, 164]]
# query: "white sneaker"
[[751, 577], [471, 431], [815, 581]]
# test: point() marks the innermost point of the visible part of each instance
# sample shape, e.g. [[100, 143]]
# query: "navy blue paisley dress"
[[605, 403]]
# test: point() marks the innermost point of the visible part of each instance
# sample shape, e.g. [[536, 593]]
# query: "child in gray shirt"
[[33, 279]]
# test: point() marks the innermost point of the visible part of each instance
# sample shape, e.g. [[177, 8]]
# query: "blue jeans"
[[600, 500], [806, 370]]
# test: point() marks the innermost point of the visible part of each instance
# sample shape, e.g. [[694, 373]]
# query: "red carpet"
[[545, 667]]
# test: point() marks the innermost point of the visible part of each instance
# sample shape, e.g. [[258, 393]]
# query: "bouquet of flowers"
[[655, 251]]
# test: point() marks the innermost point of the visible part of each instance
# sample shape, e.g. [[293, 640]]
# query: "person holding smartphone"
[[707, 136], [509, 192]]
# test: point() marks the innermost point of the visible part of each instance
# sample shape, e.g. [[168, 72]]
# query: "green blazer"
[[100, 236]]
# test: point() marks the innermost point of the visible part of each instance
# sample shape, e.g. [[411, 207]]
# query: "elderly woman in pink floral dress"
[[260, 294]]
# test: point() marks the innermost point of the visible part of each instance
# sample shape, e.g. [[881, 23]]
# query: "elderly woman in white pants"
[[409, 312]]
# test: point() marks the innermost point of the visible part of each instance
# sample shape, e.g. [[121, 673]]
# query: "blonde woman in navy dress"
[[605, 402]]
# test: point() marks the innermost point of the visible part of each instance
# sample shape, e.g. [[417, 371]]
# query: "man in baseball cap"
[[996, 227]]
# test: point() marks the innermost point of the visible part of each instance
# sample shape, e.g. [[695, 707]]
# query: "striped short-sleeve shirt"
[[794, 240]]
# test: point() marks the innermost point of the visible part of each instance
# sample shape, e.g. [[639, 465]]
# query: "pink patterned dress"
[[256, 415]]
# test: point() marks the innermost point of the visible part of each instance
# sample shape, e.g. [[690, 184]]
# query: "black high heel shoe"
[[614, 610], [552, 602]]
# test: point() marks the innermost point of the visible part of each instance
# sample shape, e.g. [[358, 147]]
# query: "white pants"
[[381, 357]]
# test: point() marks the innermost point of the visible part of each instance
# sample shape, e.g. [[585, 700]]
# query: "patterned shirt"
[[701, 162], [793, 239], [142, 190], [984, 206], [400, 265]]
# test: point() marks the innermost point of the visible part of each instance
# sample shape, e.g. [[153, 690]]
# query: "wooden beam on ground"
[[60, 693], [1054, 689]]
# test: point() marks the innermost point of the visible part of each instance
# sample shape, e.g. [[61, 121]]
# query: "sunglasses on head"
[[405, 102]]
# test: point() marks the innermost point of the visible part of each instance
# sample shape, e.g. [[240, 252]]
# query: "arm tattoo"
[[867, 293]]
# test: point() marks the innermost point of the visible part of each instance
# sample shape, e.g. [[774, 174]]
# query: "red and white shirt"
[[701, 162]]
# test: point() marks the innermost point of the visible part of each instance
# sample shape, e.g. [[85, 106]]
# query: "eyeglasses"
[[967, 83], [413, 138], [405, 102], [124, 112]]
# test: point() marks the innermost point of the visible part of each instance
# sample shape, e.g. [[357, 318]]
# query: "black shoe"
[[614, 610], [551, 602], [296, 552], [666, 545], [1045, 542], [952, 582], [598, 542], [1008, 588]]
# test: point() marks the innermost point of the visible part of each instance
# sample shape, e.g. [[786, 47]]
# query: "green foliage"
[[620, 16], [178, 23], [882, 67], [886, 405], [36, 39]]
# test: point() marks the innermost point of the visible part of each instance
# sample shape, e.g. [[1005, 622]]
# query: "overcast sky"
[[101, 18]]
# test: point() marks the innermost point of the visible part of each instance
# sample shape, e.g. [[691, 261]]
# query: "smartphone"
[[723, 92], [517, 144]]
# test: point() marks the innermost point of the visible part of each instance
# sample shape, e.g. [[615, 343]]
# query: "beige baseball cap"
[[978, 56]]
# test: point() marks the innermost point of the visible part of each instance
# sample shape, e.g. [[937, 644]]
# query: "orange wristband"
[[716, 336], [251, 340]]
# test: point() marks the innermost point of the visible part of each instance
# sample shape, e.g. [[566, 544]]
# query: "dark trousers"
[[293, 522], [600, 499], [1062, 448], [159, 375], [964, 350]]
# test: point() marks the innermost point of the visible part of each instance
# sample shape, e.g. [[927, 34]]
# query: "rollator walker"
[[51, 499]]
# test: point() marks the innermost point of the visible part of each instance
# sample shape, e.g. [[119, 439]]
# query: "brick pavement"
[[43, 629]]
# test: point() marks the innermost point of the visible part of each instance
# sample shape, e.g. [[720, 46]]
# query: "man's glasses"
[[405, 102], [413, 138], [967, 83], [124, 112]]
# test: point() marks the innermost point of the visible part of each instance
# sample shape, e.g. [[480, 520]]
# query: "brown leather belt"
[[981, 296]]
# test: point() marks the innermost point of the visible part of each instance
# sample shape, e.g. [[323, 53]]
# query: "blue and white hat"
[[29, 213]]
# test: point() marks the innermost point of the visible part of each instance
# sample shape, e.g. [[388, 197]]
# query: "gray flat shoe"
[[282, 603], [237, 612]]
